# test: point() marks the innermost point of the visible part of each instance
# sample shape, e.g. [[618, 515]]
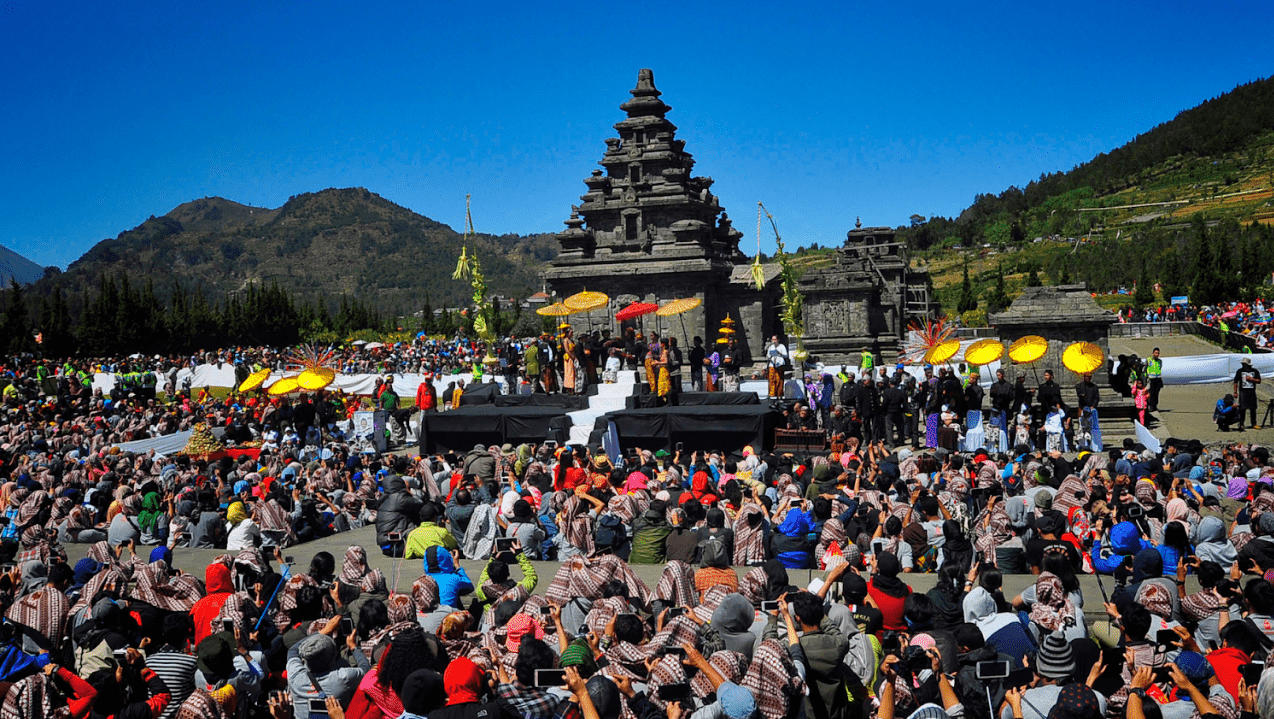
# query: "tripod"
[[1268, 419]]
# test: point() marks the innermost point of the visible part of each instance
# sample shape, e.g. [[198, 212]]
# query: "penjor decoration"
[[470, 268], [792, 300]]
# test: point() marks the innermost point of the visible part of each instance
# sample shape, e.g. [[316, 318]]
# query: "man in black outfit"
[[1087, 394], [868, 405], [1245, 382], [696, 365], [973, 395], [1049, 394], [1001, 394], [892, 403], [849, 392]]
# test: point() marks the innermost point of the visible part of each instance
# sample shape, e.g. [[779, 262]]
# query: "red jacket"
[[84, 693], [220, 587], [890, 607], [425, 397], [1228, 664]]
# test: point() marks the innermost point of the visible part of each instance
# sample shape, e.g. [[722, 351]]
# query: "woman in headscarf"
[[790, 540], [123, 525], [701, 487], [1212, 544], [1053, 611], [242, 532], [354, 565], [151, 520], [888, 592], [733, 619], [956, 548], [750, 530]]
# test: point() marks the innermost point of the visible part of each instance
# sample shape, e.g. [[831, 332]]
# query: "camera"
[[915, 659]]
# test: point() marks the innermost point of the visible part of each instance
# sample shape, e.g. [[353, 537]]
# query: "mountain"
[[1127, 215], [317, 245], [17, 267]]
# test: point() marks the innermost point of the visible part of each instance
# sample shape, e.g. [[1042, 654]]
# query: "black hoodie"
[[396, 510]]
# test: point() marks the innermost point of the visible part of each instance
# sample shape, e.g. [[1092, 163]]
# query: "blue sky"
[[113, 112]]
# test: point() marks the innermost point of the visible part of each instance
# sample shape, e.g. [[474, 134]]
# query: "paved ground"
[[1186, 410], [196, 561]]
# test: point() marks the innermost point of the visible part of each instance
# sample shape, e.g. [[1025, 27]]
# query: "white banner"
[[363, 384]]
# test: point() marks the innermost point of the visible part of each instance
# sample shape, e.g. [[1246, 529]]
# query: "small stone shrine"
[[1063, 315], [648, 230], [864, 302]]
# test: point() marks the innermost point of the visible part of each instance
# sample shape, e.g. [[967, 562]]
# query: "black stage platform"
[[692, 399], [460, 429], [725, 427], [489, 394]]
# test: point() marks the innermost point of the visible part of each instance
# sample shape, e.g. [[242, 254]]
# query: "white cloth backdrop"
[[223, 376]]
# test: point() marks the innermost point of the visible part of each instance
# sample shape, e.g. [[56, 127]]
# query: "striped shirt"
[[177, 669]]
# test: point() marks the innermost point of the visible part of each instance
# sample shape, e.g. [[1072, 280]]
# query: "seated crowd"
[[1185, 539]]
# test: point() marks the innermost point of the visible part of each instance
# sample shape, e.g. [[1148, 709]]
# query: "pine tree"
[[968, 301], [1144, 294], [1033, 279], [16, 325], [1173, 277], [1065, 277], [1204, 285], [998, 299]]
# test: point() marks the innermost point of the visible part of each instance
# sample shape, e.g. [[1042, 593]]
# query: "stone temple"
[[648, 230]]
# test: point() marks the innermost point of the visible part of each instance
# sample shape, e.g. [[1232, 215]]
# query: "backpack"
[[712, 552], [861, 657], [609, 533]]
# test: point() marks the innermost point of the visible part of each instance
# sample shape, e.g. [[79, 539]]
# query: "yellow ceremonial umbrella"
[[942, 352], [984, 352], [315, 378], [1028, 349], [255, 380], [284, 386], [586, 301], [557, 309], [1083, 358], [676, 307]]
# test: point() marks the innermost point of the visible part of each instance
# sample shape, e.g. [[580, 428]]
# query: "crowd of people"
[[783, 590], [728, 630], [1245, 318]]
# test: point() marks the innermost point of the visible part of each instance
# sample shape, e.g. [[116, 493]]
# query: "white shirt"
[[247, 535], [777, 355]]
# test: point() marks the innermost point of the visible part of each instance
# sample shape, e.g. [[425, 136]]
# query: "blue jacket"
[[1125, 541], [452, 580]]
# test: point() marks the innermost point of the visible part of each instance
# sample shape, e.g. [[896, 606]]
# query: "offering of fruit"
[[202, 441]]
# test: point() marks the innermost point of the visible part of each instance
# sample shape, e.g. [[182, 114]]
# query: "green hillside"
[[317, 246], [1188, 204]]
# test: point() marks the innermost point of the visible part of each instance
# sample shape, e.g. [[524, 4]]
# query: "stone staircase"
[[609, 398]]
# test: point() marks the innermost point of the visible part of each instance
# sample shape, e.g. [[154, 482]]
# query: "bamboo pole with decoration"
[[470, 267], [792, 300]]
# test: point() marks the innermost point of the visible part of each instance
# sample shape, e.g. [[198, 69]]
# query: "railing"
[[1229, 340]]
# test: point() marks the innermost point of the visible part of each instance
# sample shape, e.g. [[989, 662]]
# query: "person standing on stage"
[[675, 359], [730, 367], [712, 367], [697, 355], [1245, 382], [1154, 370], [776, 359]]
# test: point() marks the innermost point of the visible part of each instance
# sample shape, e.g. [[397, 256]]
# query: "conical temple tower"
[[648, 230]]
